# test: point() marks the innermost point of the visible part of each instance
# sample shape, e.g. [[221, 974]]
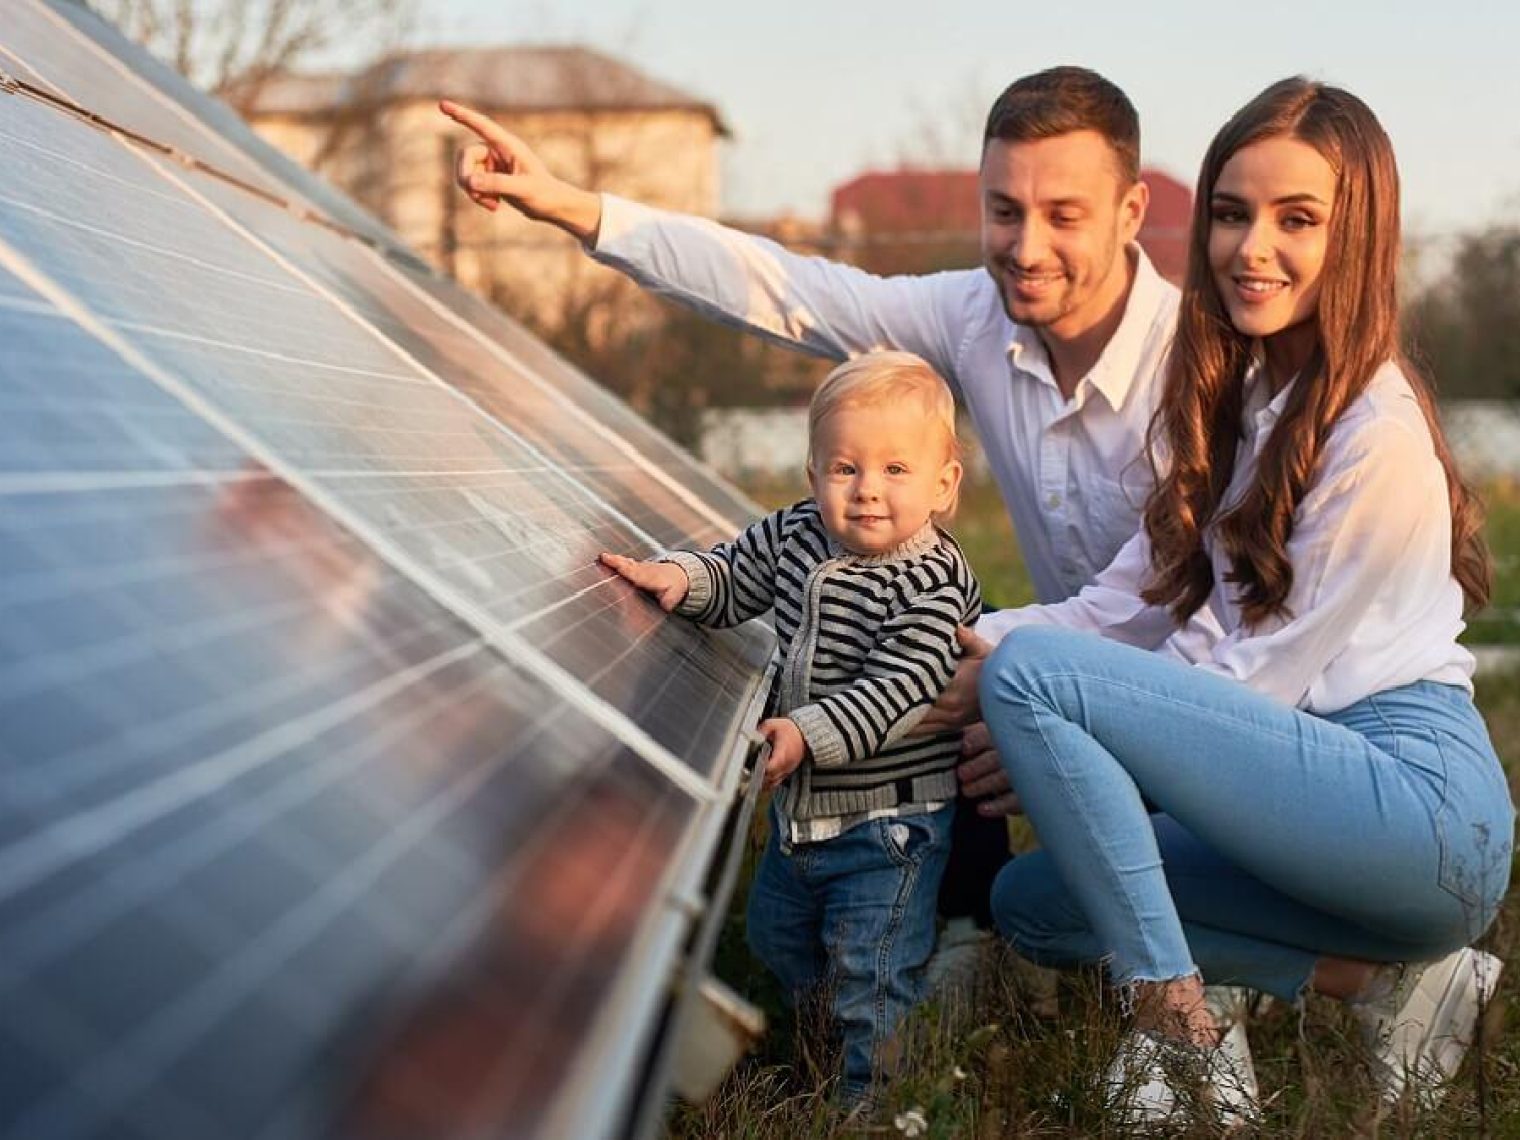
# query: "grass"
[[1500, 623], [992, 1066]]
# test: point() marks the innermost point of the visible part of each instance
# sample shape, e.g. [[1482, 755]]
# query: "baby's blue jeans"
[[853, 917]]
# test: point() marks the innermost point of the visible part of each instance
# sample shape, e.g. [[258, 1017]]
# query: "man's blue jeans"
[[1382, 831], [853, 917]]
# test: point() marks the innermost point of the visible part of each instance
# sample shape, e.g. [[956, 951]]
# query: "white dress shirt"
[[1070, 471], [1373, 603]]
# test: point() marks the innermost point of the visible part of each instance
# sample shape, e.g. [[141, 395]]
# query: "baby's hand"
[[664, 581], [787, 749]]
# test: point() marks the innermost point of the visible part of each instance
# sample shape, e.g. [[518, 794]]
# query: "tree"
[[232, 48], [1466, 324]]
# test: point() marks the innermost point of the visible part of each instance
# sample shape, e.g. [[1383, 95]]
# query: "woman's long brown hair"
[[1197, 426]]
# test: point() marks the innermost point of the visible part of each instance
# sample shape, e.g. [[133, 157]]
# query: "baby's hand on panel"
[[664, 581]]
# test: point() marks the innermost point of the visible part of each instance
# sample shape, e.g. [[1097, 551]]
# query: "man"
[[1054, 347]]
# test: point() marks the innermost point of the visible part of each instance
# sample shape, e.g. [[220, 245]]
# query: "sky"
[[817, 91]]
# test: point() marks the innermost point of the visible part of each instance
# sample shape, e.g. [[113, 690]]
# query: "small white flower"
[[911, 1123], [958, 1073]]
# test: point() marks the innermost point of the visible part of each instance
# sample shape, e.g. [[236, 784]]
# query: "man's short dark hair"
[[1066, 99]]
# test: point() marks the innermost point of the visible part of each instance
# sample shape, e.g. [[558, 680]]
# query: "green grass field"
[[991, 1066], [1500, 624]]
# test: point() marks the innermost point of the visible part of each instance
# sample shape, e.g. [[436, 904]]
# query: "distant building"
[[917, 221], [908, 221], [594, 119]]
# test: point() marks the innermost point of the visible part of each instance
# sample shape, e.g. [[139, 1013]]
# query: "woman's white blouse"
[[1373, 603]]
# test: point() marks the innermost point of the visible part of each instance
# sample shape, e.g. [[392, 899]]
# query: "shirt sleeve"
[[910, 663], [755, 284], [1110, 605], [734, 581], [1374, 516]]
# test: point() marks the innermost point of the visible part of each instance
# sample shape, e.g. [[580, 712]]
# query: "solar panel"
[[74, 54], [343, 793]]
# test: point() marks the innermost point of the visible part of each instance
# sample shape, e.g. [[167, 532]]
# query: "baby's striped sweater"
[[867, 644]]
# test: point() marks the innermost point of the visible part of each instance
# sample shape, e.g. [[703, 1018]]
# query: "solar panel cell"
[[70, 64], [219, 122]]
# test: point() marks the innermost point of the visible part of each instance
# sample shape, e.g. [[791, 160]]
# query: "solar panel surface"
[[343, 793], [80, 57]]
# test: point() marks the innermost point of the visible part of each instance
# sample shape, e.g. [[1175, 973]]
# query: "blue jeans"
[[853, 916], [1382, 831]]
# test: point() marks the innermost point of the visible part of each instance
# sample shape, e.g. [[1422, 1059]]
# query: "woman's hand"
[[959, 705]]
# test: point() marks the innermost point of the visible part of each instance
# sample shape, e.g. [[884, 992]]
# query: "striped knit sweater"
[[867, 644]]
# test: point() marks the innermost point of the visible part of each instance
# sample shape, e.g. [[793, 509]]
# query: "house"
[[595, 120], [908, 220], [918, 221]]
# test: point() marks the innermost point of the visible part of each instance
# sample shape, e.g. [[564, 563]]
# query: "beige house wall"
[[399, 163]]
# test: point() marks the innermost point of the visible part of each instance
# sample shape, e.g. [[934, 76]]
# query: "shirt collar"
[[1262, 408], [1115, 372]]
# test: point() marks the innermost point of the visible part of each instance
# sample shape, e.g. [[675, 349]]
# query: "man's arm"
[[808, 303], [503, 168]]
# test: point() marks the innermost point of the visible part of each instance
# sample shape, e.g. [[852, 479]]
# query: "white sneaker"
[[1157, 1081], [958, 960], [1137, 1091], [1237, 1096], [1419, 1032]]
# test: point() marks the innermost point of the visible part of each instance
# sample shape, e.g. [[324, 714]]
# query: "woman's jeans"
[[852, 918], [1382, 831]]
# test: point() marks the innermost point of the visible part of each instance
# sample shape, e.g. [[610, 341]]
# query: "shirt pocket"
[[1114, 507]]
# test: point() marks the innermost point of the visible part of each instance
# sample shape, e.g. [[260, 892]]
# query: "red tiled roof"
[[1165, 233]]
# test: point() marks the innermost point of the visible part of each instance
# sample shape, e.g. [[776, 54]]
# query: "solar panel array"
[[341, 793]]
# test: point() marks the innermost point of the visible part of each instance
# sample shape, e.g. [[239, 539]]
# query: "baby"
[[868, 593]]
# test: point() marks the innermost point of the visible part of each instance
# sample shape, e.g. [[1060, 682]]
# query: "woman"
[[1329, 802]]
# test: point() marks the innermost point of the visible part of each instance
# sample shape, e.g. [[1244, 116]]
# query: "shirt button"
[[1053, 501]]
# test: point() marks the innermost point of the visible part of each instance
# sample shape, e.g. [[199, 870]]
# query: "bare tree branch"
[[234, 47]]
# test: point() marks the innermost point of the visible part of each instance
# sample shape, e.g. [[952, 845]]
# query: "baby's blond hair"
[[885, 377]]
